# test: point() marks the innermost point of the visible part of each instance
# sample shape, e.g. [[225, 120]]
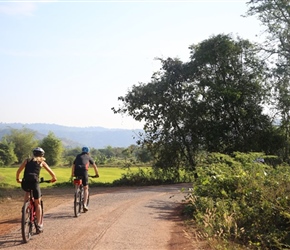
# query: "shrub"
[[237, 199]]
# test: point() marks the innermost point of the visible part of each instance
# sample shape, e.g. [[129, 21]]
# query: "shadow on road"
[[11, 240]]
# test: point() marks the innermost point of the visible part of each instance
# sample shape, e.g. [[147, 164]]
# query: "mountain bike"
[[28, 220], [79, 195]]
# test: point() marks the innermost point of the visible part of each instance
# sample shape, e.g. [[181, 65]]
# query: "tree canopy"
[[53, 149], [7, 155], [213, 103], [24, 142], [275, 18]]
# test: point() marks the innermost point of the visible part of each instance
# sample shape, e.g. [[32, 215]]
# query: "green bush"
[[152, 176], [238, 199]]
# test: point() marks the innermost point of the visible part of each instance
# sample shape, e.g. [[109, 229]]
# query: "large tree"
[[275, 18], [7, 155], [24, 142], [212, 102], [230, 82], [53, 149], [161, 104]]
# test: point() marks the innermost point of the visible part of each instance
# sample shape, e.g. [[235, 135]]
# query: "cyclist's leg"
[[25, 187], [86, 186], [26, 197], [37, 198], [38, 211]]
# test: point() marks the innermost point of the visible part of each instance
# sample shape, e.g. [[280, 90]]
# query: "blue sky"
[[66, 62]]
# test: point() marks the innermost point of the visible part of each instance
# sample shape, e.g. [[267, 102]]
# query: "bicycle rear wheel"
[[88, 200], [26, 225], [77, 202]]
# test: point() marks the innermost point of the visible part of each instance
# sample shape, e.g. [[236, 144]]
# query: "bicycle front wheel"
[[42, 211], [77, 203], [26, 224]]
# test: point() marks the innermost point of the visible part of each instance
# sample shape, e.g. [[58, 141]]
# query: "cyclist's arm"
[[48, 169], [96, 169], [22, 166], [73, 170]]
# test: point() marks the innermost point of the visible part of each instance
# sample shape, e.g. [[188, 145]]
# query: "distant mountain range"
[[96, 137]]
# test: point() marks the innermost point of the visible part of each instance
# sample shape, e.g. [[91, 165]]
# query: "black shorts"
[[82, 174], [31, 185]]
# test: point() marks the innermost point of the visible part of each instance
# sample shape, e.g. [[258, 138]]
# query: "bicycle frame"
[[29, 219], [79, 196]]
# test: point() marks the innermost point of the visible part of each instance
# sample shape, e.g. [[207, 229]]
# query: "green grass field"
[[107, 175]]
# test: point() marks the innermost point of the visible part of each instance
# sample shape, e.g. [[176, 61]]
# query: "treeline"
[[19, 143]]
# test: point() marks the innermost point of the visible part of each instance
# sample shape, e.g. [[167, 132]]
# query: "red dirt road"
[[118, 218]]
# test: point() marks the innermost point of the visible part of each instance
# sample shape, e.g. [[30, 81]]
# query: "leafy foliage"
[[275, 16], [228, 76], [212, 103], [24, 142], [7, 155], [53, 149], [238, 199], [152, 176]]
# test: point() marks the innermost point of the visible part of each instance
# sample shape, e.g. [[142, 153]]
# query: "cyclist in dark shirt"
[[30, 180], [80, 168]]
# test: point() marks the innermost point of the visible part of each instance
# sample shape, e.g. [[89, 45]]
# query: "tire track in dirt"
[[117, 213]]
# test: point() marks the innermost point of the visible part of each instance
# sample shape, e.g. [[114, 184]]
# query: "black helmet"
[[38, 151]]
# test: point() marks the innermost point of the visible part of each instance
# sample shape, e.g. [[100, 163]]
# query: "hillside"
[[97, 137]]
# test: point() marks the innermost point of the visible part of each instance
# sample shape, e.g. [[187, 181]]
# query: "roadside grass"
[[107, 176]]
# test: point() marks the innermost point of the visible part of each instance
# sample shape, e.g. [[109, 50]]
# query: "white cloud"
[[18, 8]]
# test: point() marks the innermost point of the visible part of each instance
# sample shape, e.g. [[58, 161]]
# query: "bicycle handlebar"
[[42, 180], [90, 176], [93, 176]]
